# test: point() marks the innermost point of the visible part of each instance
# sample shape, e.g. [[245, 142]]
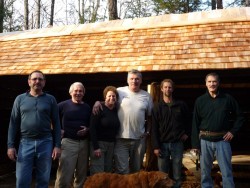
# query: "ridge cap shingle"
[[167, 20]]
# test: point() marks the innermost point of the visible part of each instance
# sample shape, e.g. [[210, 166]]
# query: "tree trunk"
[[32, 21], [213, 4], [94, 13], [112, 7], [26, 14], [52, 8], [11, 25], [1, 15], [247, 3], [38, 13], [219, 4], [81, 11], [187, 7]]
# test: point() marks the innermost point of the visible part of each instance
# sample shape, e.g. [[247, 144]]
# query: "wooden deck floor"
[[241, 170]]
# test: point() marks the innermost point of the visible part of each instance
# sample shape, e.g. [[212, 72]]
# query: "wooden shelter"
[[183, 47]]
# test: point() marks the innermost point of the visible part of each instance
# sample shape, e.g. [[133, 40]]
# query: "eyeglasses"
[[39, 79]]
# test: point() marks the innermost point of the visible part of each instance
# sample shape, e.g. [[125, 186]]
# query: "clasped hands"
[[83, 131]]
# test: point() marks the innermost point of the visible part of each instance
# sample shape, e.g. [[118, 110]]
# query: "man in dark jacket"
[[213, 129], [170, 125]]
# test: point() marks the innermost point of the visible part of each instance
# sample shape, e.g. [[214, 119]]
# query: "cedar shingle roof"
[[218, 39]]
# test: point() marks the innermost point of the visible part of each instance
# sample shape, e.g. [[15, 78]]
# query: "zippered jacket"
[[170, 122]]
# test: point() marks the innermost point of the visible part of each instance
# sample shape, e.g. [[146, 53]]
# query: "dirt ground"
[[189, 182], [191, 176], [9, 181]]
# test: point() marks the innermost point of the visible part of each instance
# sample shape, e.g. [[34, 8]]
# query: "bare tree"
[[81, 11], [217, 4], [247, 3], [112, 8], [26, 14], [1, 15], [52, 8], [64, 12], [38, 13], [94, 11]]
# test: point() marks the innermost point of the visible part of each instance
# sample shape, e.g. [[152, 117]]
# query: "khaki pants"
[[73, 163]]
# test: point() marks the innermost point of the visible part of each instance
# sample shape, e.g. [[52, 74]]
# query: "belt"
[[210, 133]]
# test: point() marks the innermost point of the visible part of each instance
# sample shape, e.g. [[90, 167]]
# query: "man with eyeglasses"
[[35, 118]]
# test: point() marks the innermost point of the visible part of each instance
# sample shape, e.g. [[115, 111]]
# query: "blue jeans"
[[223, 153], [34, 153], [174, 152]]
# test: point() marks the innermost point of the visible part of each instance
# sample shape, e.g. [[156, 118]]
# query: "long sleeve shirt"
[[219, 114], [170, 122], [73, 116], [104, 126], [34, 117]]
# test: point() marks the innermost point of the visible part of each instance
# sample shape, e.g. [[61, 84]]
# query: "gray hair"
[[134, 71], [75, 84]]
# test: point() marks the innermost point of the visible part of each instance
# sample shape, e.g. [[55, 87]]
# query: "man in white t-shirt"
[[134, 112]]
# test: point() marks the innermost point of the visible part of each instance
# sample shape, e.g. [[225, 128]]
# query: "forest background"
[[18, 15]]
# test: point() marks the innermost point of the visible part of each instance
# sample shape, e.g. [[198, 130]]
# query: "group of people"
[[43, 131]]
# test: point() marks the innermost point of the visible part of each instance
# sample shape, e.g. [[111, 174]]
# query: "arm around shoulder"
[[97, 107]]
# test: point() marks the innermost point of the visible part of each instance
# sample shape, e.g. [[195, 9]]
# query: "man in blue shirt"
[[35, 118]]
